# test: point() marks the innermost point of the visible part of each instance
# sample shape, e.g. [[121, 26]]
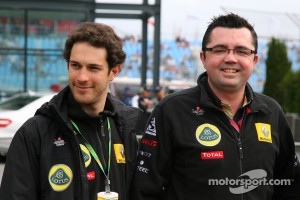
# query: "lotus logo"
[[208, 135], [60, 177]]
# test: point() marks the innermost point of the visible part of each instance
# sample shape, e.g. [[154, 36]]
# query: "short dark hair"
[[97, 35], [228, 21]]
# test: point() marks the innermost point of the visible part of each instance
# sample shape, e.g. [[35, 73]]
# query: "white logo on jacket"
[[151, 129]]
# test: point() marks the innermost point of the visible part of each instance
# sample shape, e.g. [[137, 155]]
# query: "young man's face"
[[89, 74], [229, 71]]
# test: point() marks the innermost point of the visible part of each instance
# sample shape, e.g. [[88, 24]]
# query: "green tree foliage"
[[296, 98], [290, 91], [277, 66]]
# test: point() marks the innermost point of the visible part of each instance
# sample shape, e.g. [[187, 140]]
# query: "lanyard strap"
[[93, 152]]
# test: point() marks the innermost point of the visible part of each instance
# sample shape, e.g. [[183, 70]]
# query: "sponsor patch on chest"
[[210, 155], [91, 175], [208, 135], [263, 132]]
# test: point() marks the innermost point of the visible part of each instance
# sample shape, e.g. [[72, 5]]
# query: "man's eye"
[[219, 50], [242, 51], [94, 68], [74, 65]]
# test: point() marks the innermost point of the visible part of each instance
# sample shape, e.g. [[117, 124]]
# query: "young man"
[[83, 141], [219, 140]]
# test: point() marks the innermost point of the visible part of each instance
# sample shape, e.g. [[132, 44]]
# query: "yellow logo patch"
[[86, 155], [60, 177], [120, 153], [208, 135], [263, 132]]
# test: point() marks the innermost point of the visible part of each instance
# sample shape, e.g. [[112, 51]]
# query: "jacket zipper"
[[102, 127], [240, 146], [102, 142], [241, 156], [82, 169], [240, 149]]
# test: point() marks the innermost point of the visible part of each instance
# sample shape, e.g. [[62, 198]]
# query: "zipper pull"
[[240, 148], [102, 127]]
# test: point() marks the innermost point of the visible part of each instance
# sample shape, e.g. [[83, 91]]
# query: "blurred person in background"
[[144, 101], [135, 98], [198, 138], [83, 141], [127, 96], [160, 93], [145, 104]]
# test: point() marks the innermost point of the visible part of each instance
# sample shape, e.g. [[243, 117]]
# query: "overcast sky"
[[189, 18]]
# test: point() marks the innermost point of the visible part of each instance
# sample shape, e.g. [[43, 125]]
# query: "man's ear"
[[202, 58], [255, 59], [115, 71]]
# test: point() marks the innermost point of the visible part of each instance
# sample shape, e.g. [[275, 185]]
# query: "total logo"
[[212, 155]]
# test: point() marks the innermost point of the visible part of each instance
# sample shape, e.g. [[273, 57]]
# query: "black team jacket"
[[192, 150], [47, 160]]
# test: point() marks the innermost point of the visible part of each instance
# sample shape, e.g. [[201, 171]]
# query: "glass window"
[[16, 103]]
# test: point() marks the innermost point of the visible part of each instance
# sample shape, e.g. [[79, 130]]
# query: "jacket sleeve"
[[131, 145], [287, 165], [154, 159], [20, 176]]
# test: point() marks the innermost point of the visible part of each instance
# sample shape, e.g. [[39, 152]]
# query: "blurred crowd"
[[145, 99]]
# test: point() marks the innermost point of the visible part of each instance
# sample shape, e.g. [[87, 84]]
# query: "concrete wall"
[[294, 122]]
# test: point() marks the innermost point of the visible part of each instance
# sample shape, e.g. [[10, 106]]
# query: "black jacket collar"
[[75, 110]]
